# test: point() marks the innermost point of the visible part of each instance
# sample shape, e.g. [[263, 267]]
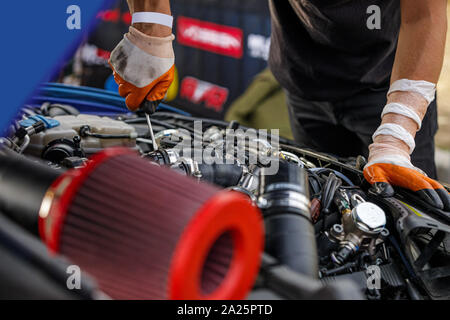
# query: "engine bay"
[[323, 225]]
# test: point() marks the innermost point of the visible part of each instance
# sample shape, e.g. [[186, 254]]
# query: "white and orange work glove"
[[143, 66], [389, 157]]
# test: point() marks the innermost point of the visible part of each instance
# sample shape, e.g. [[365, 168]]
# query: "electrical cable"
[[408, 266], [214, 122], [337, 173], [157, 122]]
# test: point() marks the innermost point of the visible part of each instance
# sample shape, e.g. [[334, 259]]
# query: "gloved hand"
[[389, 158], [144, 69], [387, 168]]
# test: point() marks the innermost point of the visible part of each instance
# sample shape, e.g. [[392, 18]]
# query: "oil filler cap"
[[369, 217]]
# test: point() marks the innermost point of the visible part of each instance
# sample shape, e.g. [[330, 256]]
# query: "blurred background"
[[443, 135], [221, 50]]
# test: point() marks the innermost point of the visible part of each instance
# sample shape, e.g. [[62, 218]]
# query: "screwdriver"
[[149, 108], [152, 135]]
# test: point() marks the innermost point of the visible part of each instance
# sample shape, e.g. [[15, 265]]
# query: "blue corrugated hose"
[[88, 100]]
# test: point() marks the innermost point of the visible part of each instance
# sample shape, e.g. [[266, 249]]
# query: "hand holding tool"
[[143, 67]]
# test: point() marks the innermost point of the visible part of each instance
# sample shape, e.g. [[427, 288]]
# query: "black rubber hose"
[[224, 175], [29, 272], [291, 285], [290, 239], [23, 184], [290, 236], [331, 185]]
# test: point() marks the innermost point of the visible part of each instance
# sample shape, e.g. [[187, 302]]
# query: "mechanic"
[[345, 65]]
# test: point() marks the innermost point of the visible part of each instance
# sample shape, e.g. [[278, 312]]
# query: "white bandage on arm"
[[426, 89], [396, 131], [400, 108], [411, 106], [152, 17]]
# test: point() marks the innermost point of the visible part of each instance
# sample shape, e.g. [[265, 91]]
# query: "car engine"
[[326, 234]]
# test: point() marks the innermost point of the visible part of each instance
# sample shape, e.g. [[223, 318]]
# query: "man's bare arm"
[[420, 53], [161, 6], [421, 44]]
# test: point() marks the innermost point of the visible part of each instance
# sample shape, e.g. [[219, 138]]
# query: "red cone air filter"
[[146, 232]]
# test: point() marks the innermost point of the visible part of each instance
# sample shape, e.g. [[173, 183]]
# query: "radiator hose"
[[290, 236]]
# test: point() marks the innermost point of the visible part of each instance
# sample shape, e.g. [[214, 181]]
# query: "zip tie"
[[396, 131], [152, 17], [426, 89], [403, 110]]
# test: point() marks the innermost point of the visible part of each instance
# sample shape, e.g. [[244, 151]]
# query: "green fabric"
[[262, 106]]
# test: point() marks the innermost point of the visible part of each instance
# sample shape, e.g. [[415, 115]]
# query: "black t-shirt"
[[323, 50]]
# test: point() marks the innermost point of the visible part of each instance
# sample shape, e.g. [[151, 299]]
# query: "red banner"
[[209, 36]]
